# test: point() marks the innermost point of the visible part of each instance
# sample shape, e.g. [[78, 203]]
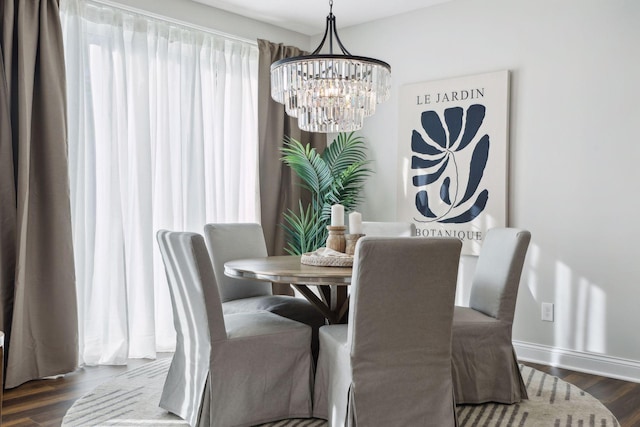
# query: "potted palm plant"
[[335, 176]]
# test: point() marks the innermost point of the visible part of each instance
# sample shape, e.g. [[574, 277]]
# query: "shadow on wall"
[[581, 323], [580, 308]]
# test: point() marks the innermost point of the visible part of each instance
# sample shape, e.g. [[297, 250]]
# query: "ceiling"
[[309, 16]]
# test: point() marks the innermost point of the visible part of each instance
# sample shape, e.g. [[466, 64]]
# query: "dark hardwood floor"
[[44, 402]]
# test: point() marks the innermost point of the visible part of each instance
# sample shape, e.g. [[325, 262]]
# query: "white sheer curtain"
[[162, 134]]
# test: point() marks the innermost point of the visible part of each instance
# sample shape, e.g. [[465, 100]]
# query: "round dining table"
[[332, 298]]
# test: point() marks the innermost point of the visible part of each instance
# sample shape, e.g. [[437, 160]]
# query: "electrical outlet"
[[547, 311]]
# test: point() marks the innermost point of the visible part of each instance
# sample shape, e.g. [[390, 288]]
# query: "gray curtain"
[[37, 289], [279, 189]]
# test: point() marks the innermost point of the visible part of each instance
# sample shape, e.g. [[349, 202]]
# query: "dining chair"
[[390, 229], [485, 368], [228, 369], [391, 364], [227, 242]]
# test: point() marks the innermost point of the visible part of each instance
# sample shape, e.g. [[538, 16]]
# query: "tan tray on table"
[[311, 258]]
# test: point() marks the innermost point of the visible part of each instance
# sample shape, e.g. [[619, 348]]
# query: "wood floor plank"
[[21, 422]]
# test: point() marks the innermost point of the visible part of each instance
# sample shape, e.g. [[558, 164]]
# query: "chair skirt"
[[484, 364]]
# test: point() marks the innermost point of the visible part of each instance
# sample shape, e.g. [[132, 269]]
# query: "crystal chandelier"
[[330, 92]]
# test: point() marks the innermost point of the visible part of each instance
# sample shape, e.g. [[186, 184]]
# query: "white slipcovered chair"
[[390, 229], [237, 369], [391, 364], [227, 242], [485, 368]]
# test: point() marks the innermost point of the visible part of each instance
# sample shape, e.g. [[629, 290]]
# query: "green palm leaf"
[[307, 164], [335, 176], [301, 231], [345, 150]]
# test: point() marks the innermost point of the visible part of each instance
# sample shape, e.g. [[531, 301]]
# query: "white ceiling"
[[309, 16]]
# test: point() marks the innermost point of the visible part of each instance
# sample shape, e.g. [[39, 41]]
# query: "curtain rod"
[[190, 25]]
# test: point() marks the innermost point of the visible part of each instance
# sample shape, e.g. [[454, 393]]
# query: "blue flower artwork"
[[450, 164]]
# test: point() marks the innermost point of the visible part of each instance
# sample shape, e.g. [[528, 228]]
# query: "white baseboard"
[[591, 363]]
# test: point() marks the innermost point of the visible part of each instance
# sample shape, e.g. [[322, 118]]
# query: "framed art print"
[[452, 153]]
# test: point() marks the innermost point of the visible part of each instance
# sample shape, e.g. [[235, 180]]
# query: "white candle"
[[337, 215], [355, 223]]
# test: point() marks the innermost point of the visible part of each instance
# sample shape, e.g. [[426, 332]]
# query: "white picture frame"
[[452, 156]]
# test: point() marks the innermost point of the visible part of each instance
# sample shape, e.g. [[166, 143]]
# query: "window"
[[162, 125]]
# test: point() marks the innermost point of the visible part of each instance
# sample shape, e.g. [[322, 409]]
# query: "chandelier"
[[330, 92]]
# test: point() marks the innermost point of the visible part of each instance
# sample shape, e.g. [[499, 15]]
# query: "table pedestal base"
[[334, 303]]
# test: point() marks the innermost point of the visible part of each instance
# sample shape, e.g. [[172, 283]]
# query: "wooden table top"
[[287, 269]]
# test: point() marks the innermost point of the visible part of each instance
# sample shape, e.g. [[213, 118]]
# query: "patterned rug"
[[131, 399]]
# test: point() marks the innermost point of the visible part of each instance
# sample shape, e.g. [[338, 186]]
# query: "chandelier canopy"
[[330, 92]]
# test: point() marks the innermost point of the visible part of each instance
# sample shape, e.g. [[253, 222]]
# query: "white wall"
[[574, 155], [574, 150]]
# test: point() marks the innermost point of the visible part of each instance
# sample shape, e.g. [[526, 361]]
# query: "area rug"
[[131, 399]]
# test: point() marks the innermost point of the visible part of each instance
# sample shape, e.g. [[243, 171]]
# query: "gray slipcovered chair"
[[390, 229], [237, 369], [228, 242], [485, 368], [391, 364]]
